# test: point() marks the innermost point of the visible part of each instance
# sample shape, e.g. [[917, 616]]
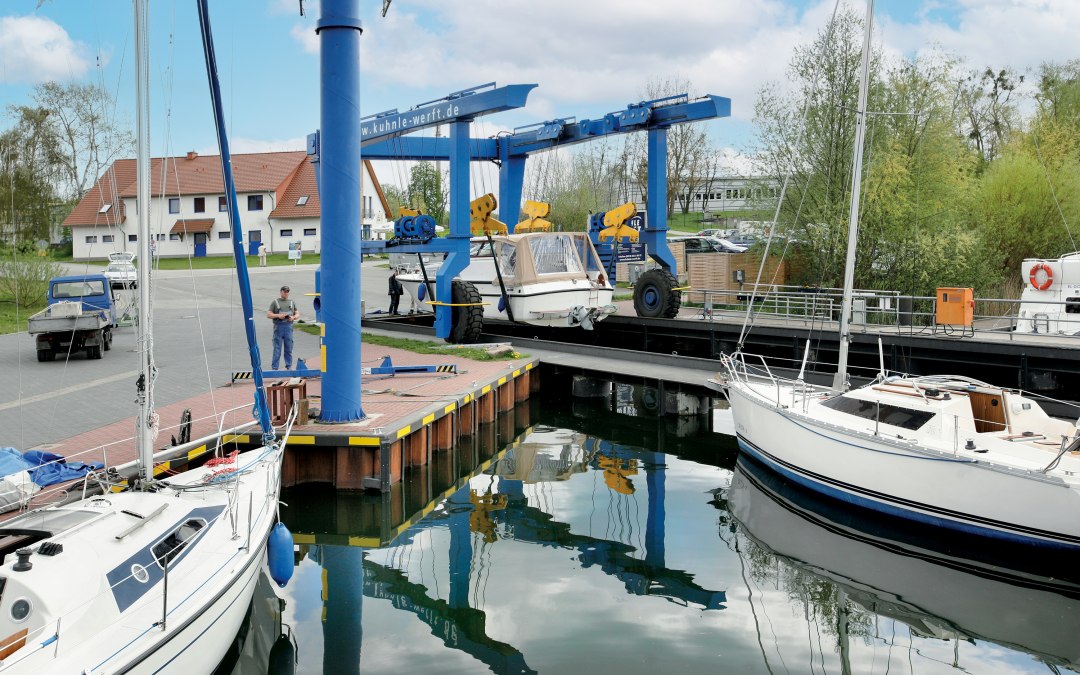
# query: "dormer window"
[[302, 201], [105, 208]]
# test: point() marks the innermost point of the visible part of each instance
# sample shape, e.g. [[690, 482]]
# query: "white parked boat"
[[160, 575], [536, 278], [1050, 301], [945, 451]]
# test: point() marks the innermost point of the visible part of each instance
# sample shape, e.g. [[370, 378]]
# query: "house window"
[[255, 202], [222, 204], [91, 239], [176, 236], [286, 233], [105, 208], [302, 201], [309, 231], [106, 239], [133, 237], [223, 235], [174, 205], [200, 205], [160, 236]]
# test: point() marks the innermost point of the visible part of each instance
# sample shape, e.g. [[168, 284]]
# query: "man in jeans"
[[283, 311]]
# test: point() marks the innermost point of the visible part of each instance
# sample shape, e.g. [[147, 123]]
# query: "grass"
[[422, 346], [13, 318]]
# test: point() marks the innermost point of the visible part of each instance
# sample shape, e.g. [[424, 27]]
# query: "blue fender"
[[279, 554], [421, 292]]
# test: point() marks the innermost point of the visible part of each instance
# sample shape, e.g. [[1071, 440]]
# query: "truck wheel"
[[655, 295], [93, 352], [468, 320], [45, 355], [107, 340]]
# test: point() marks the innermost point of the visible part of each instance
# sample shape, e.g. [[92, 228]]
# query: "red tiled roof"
[[193, 226], [106, 190], [260, 172], [301, 185]]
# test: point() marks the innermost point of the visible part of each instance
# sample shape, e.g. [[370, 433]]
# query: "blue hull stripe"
[[902, 508]]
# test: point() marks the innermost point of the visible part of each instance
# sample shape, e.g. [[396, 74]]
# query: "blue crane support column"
[[339, 53], [655, 234], [511, 181], [457, 259]]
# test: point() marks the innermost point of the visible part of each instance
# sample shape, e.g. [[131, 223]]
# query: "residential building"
[[276, 193]]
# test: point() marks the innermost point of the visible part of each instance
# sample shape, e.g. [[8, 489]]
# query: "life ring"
[[1034, 276]]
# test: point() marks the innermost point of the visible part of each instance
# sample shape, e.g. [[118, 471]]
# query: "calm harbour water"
[[598, 538]]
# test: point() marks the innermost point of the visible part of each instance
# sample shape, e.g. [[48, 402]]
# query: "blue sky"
[[588, 57]]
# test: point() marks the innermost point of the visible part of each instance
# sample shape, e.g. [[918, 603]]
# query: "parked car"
[[698, 244], [121, 270]]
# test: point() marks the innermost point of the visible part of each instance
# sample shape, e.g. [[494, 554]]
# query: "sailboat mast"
[[840, 381], [144, 421]]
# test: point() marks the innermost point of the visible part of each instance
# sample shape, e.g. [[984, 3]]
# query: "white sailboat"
[[159, 575], [946, 451]]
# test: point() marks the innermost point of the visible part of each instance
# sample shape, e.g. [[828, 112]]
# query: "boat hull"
[[901, 479]]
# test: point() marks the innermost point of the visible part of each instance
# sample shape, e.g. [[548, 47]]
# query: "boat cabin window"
[[480, 248], [905, 418], [166, 550], [587, 254], [506, 257], [1072, 305], [554, 255]]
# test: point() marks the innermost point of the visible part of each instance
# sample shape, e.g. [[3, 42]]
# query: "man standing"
[[262, 255], [283, 311], [395, 292]]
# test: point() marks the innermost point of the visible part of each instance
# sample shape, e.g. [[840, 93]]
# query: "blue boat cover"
[[45, 468]]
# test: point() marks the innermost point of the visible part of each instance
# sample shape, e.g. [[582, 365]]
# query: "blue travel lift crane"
[[613, 232]]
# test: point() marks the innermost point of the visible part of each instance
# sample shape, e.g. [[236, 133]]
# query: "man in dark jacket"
[[395, 292]]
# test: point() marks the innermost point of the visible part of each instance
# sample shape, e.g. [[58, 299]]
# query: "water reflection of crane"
[[501, 510]]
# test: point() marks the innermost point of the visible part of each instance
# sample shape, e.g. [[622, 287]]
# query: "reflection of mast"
[[842, 631], [461, 628]]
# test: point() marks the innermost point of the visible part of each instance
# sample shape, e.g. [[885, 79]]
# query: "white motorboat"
[[945, 451], [536, 278], [160, 575], [1050, 301]]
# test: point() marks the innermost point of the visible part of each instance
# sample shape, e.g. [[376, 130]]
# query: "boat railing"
[[62, 492], [881, 309]]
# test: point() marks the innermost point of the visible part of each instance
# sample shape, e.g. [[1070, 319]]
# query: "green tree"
[[29, 170], [426, 191]]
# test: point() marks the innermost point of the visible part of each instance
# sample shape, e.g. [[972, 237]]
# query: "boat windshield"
[[554, 255], [53, 521], [587, 254], [506, 258]]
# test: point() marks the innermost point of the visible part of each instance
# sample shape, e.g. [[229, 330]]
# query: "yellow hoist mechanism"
[[480, 519], [407, 211], [482, 223], [617, 472], [615, 226], [534, 220]]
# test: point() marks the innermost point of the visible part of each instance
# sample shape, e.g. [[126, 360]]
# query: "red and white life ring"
[[1034, 276]]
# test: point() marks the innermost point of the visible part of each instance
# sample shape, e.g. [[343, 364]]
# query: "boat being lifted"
[[533, 276]]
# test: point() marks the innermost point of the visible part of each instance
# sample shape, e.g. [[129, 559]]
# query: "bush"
[[24, 277]]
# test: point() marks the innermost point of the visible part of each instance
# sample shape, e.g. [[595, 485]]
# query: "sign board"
[[629, 252], [637, 222], [294, 250]]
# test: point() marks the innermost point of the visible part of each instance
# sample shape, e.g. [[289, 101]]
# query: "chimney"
[[192, 154]]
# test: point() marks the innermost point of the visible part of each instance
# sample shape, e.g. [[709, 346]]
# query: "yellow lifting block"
[[534, 221], [615, 226], [482, 223], [407, 211], [456, 304]]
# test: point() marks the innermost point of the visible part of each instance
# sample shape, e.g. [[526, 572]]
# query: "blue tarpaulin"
[[45, 468]]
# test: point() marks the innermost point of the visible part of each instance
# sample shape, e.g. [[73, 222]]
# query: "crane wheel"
[[468, 313], [655, 295]]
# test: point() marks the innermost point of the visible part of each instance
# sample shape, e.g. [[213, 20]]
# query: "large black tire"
[[468, 321], [93, 352], [45, 355], [655, 295], [107, 340]]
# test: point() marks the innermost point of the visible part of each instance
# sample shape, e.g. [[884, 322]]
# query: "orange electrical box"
[[955, 306]]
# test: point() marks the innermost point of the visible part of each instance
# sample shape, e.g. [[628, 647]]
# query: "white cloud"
[[35, 49]]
